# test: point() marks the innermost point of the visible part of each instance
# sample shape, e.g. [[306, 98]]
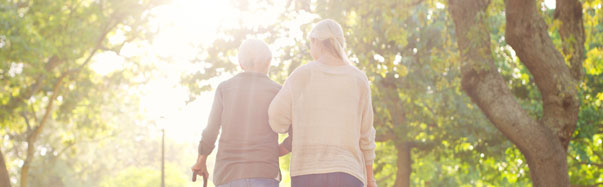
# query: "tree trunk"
[[402, 143], [404, 163], [4, 179], [27, 164], [33, 136], [543, 142]]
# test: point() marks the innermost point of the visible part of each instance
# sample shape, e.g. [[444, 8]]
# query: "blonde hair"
[[330, 34], [253, 52]]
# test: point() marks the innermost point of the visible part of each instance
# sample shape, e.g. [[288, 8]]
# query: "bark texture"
[[527, 34], [569, 13], [543, 142], [404, 163], [4, 179]]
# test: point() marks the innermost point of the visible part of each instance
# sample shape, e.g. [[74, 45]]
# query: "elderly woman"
[[328, 104]]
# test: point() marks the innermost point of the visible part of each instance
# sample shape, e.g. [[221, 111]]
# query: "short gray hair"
[[252, 52]]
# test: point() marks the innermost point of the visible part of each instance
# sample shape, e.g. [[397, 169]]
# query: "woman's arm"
[[367, 131], [370, 179], [367, 134], [279, 112]]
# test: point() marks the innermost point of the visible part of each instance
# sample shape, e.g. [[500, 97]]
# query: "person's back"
[[331, 104], [328, 104], [248, 148]]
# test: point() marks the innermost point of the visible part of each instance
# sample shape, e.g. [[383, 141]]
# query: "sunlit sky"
[[181, 24]]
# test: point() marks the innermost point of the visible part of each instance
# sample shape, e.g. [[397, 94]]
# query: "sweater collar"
[[252, 74]]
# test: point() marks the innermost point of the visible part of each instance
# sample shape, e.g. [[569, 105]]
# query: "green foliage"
[[44, 40], [135, 176], [585, 154], [407, 49], [45, 49]]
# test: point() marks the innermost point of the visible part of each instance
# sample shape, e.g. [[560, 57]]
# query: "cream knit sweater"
[[331, 113]]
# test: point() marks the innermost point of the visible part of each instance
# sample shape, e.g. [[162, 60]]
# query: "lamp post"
[[162, 126], [162, 157]]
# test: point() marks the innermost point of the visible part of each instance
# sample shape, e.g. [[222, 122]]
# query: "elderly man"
[[248, 151]]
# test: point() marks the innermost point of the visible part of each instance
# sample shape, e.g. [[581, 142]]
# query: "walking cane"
[[195, 178]]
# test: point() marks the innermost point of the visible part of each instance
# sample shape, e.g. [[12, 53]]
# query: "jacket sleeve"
[[208, 139]]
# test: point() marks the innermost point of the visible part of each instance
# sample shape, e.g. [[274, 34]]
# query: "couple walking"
[[327, 102]]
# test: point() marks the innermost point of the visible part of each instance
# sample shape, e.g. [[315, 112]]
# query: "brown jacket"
[[248, 147]]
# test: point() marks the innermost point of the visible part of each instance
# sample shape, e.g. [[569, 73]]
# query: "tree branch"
[[31, 138], [34, 113], [55, 93], [486, 87], [26, 121], [31, 90], [71, 144], [599, 165], [527, 34], [480, 79], [569, 13]]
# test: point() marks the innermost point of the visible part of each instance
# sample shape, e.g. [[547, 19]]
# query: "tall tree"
[[47, 46], [543, 141]]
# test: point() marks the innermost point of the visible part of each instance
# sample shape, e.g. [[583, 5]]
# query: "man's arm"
[[208, 139], [210, 134], [282, 150], [200, 168], [286, 146]]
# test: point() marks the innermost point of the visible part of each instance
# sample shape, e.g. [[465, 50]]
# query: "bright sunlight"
[[380, 93]]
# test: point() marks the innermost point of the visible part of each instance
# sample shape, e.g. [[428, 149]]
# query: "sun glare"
[[188, 22], [182, 25]]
